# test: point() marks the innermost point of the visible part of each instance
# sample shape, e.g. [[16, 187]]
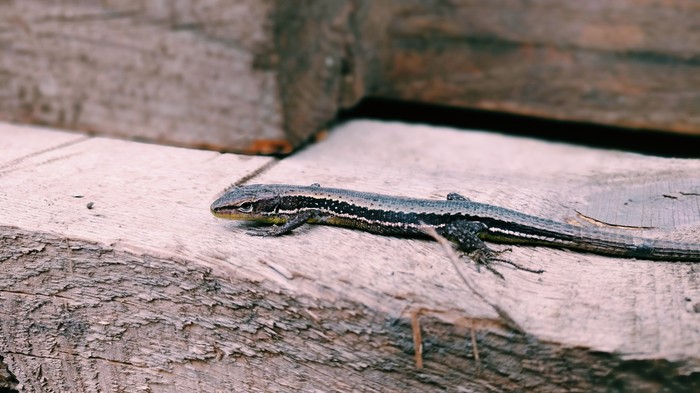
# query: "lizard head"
[[256, 202]]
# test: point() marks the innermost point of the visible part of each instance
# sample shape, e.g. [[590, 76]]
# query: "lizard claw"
[[484, 256], [517, 265], [258, 232]]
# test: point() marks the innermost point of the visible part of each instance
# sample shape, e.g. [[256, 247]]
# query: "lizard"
[[464, 222]]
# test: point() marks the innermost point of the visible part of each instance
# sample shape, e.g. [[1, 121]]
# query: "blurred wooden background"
[[263, 76]]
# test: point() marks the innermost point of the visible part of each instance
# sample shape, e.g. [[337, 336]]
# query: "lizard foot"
[[484, 256]]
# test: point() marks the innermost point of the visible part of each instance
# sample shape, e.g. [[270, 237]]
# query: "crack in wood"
[[601, 223], [17, 161]]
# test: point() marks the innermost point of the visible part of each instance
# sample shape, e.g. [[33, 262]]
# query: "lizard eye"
[[245, 207]]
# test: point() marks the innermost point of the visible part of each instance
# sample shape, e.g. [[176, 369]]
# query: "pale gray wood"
[[147, 290], [175, 72]]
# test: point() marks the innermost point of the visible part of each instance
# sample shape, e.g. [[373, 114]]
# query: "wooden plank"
[[181, 73], [148, 289], [623, 63], [221, 75], [548, 180]]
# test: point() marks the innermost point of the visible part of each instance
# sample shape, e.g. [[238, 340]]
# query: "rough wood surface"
[[263, 76], [147, 291]]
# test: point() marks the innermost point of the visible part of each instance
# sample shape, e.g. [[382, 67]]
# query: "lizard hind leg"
[[465, 234]]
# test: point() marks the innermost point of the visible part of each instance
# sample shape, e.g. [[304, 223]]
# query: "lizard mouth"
[[234, 214]]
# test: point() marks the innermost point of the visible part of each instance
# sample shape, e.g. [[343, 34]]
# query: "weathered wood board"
[[175, 72], [263, 76], [625, 63], [146, 290]]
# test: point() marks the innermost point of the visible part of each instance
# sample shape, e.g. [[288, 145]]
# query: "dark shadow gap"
[[651, 142]]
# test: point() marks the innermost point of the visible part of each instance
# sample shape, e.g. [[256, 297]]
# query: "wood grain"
[[148, 290]]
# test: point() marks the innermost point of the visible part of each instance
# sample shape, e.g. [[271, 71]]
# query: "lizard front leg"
[[292, 223]]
